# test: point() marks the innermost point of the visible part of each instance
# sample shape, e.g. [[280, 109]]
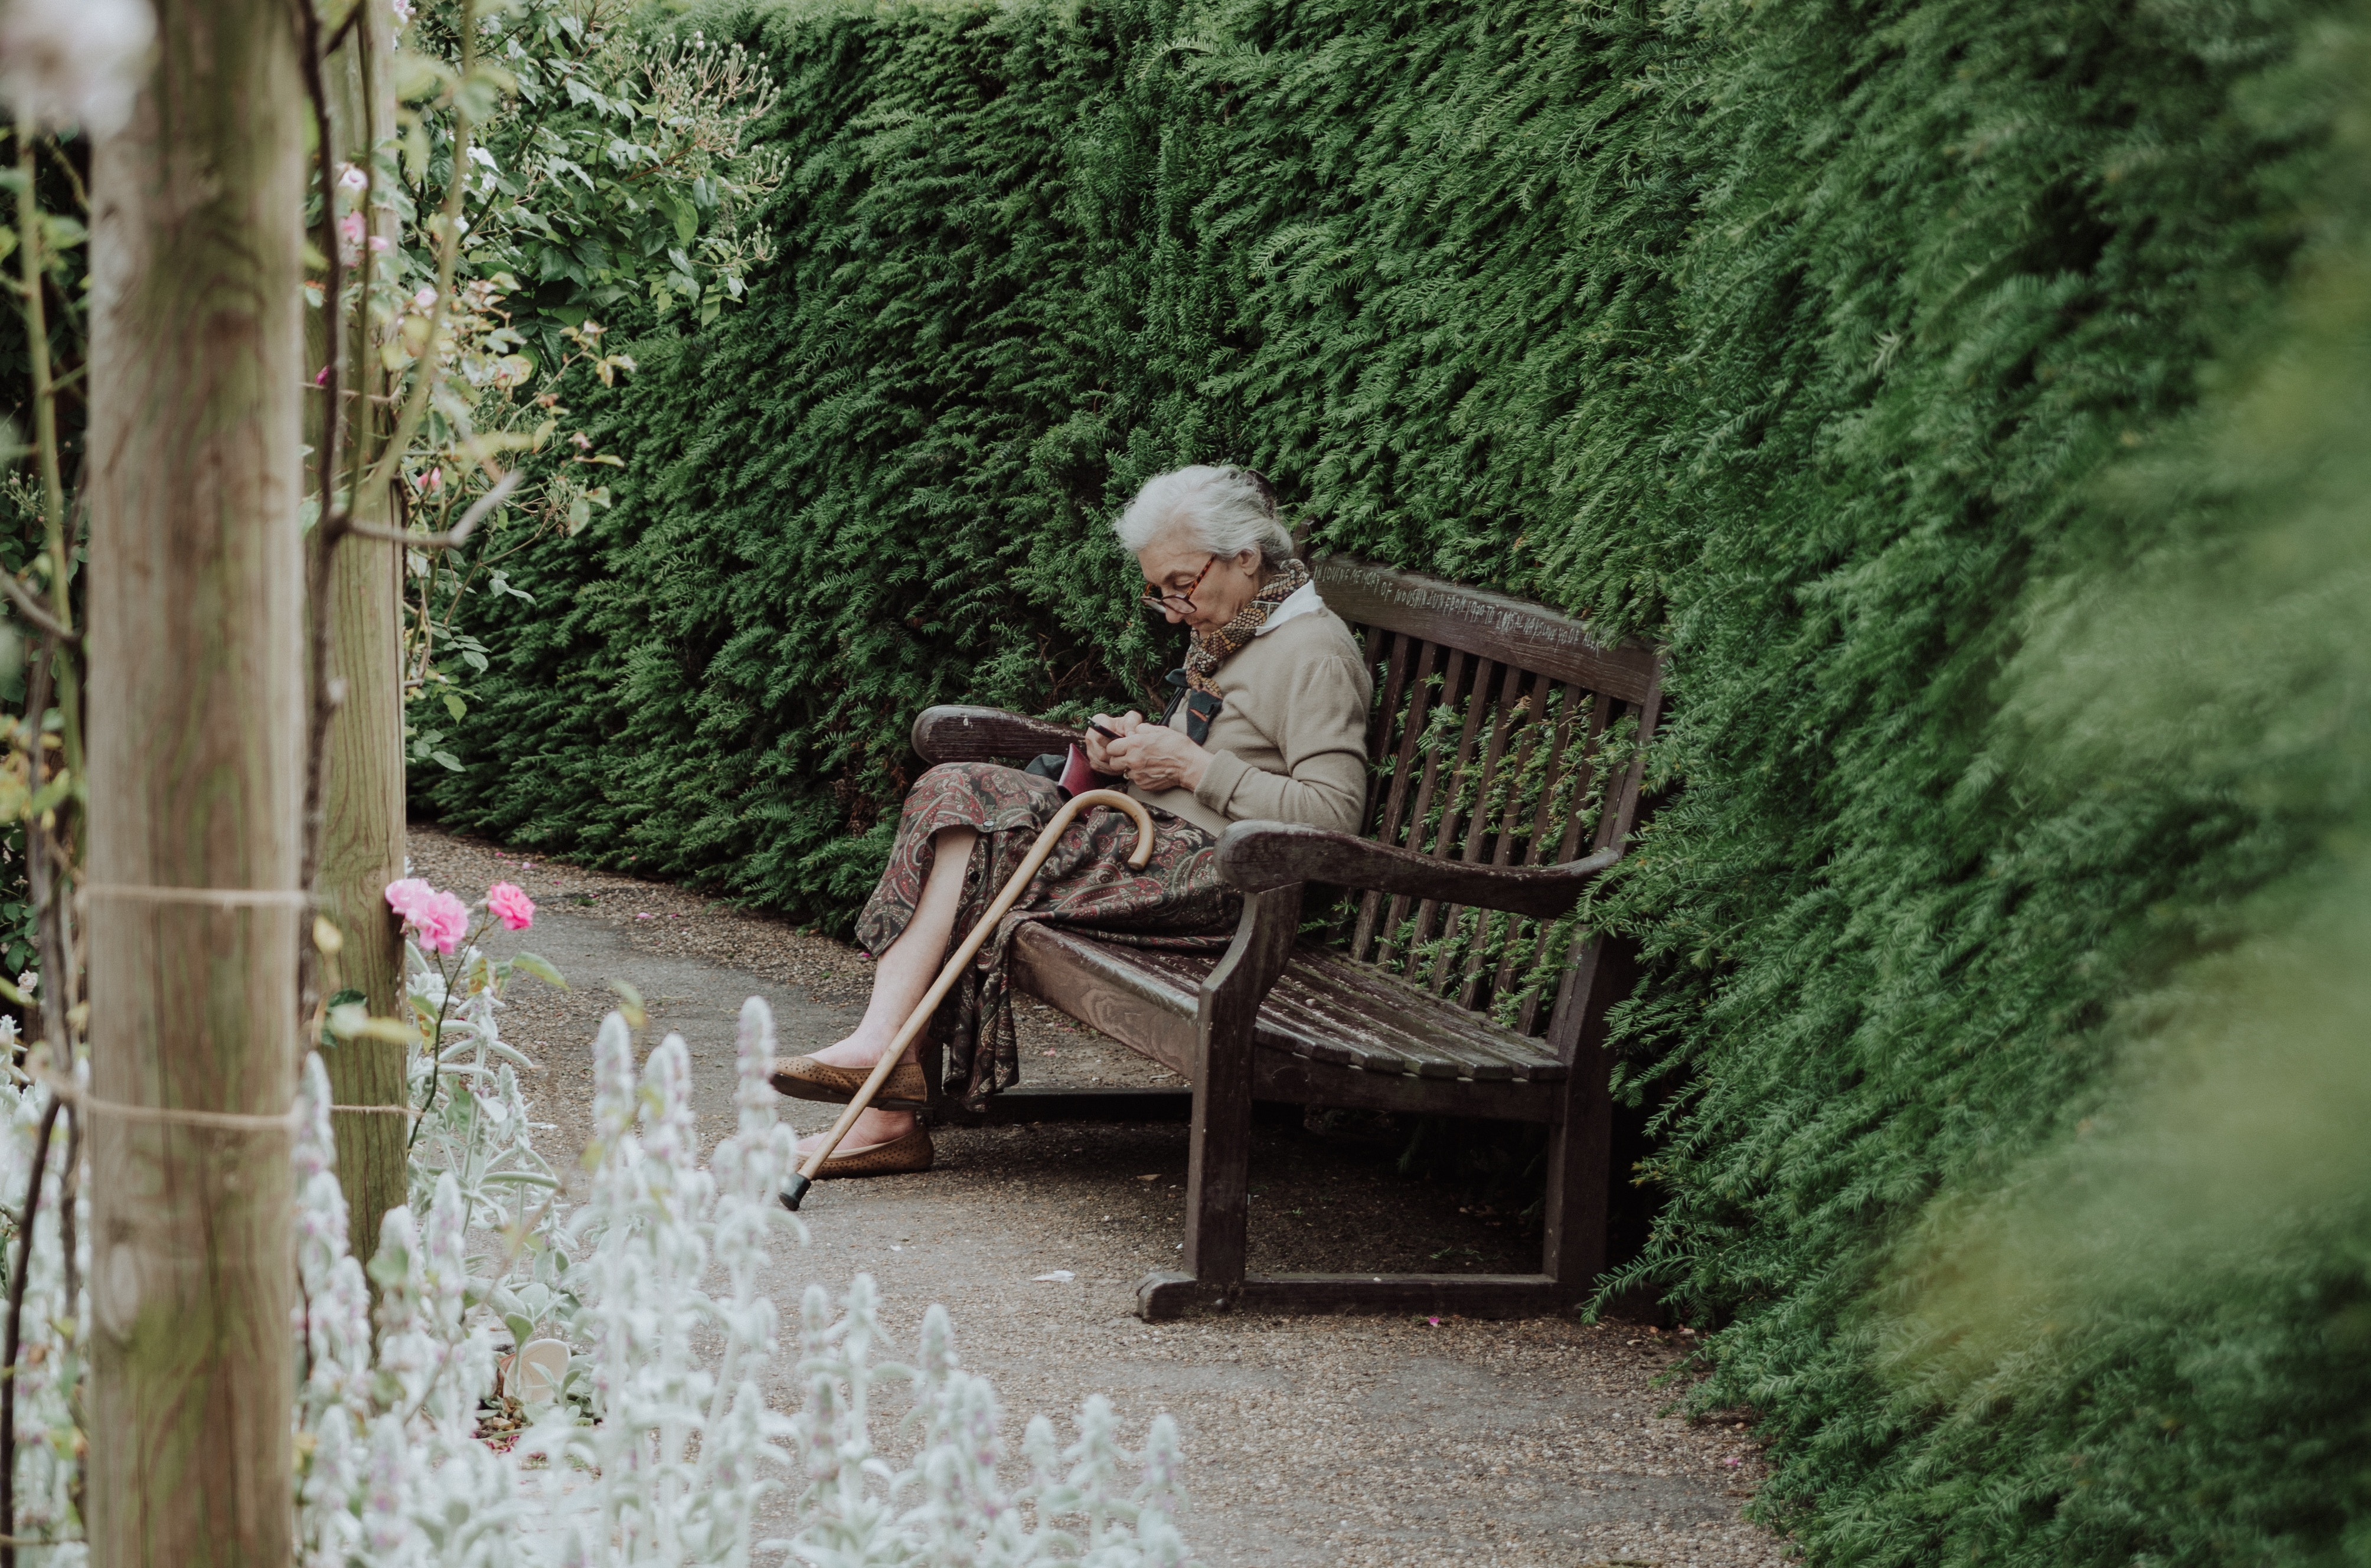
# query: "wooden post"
[[197, 708], [363, 811]]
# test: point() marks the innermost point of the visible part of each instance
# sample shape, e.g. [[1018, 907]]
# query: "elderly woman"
[[1269, 723]]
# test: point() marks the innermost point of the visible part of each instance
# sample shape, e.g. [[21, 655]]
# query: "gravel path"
[[1317, 1441]]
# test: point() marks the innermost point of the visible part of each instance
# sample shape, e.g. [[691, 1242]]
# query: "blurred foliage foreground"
[[1974, 400]]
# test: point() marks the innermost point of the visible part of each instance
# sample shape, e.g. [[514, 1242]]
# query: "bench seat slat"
[[1330, 1011], [1286, 1022], [1340, 1036], [1324, 1009], [1471, 1034], [1440, 1044]]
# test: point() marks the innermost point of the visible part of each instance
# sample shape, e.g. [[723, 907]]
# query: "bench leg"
[[1218, 1187], [1219, 1146], [1580, 1142], [1219, 1163]]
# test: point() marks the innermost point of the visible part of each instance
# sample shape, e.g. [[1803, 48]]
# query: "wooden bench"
[[1503, 734]]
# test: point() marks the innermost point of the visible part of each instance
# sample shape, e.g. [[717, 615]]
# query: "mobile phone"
[[1107, 734]]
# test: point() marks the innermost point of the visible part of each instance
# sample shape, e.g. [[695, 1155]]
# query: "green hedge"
[[1876, 356]]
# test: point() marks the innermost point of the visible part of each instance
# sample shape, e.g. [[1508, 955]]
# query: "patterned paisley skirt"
[[1085, 885]]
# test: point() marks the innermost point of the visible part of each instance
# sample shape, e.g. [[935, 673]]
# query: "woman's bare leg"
[[901, 979]]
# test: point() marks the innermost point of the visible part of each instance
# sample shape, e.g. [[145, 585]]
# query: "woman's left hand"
[[1158, 757]]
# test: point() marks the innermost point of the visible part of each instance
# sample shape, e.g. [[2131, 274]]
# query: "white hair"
[[1222, 509]]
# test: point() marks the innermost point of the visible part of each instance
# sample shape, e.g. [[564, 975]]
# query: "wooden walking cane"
[[921, 1017]]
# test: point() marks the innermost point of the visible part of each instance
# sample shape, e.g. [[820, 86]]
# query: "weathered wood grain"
[[362, 835], [1259, 855], [1305, 1082], [1218, 1144], [197, 705], [1483, 623], [1103, 987], [953, 733], [1580, 1158], [1322, 1008]]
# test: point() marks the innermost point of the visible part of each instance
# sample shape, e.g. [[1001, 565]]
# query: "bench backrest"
[[1501, 733]]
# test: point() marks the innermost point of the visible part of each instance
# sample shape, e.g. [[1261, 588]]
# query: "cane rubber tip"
[[798, 1190]]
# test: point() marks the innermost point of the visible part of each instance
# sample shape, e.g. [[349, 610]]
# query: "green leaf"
[[445, 759], [636, 1014], [480, 94], [345, 997], [47, 798], [541, 969], [455, 707], [352, 1020], [416, 75]]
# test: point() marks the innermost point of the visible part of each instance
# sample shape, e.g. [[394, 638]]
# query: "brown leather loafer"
[[804, 1077], [898, 1157]]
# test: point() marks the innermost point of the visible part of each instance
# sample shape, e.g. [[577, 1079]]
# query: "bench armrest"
[[1257, 856], [953, 733]]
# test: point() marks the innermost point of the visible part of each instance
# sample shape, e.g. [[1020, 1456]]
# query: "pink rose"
[[409, 895], [442, 922], [509, 904], [439, 919]]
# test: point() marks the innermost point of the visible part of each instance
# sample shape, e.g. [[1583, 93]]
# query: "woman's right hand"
[[1098, 749]]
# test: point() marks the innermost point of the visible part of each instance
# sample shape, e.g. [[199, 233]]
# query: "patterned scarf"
[[1213, 649]]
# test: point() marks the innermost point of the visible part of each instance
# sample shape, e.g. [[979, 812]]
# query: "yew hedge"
[[1873, 355]]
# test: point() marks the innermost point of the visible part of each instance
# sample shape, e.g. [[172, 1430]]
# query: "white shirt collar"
[[1302, 601]]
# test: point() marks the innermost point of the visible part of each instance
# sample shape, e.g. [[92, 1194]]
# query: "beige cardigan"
[[1291, 744]]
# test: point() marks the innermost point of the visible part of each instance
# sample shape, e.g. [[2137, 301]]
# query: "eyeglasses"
[[1154, 598]]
